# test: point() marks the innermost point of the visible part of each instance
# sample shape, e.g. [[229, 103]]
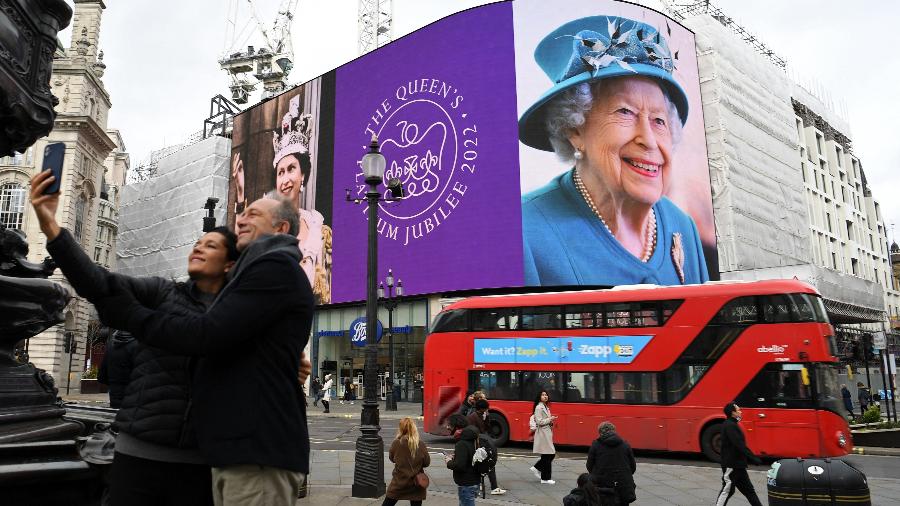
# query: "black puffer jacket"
[[735, 453], [611, 464], [464, 473], [157, 398]]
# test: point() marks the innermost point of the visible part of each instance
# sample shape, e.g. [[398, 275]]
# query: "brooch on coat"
[[678, 255]]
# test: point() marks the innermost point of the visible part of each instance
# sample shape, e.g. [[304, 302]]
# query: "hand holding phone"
[[53, 161]]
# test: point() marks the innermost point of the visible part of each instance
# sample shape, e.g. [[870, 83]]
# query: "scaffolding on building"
[[376, 24]]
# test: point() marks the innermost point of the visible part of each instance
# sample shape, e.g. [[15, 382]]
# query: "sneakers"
[[537, 474], [498, 491], [548, 482]]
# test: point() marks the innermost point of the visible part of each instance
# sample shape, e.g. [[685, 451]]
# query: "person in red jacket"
[[735, 455]]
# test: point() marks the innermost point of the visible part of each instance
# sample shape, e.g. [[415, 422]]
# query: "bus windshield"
[[828, 390]]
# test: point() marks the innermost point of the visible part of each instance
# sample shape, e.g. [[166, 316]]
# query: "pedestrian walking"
[[478, 418], [735, 455], [410, 457], [611, 464], [326, 397], [848, 399], [543, 438], [154, 440], [250, 426], [863, 396], [315, 388], [466, 477], [588, 494]]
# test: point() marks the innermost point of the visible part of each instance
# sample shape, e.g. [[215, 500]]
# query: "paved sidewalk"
[[347, 410], [657, 484]]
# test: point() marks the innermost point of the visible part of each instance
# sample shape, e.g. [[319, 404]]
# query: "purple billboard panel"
[[442, 101]]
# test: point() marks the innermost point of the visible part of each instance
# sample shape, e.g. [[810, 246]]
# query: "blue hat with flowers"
[[596, 48]]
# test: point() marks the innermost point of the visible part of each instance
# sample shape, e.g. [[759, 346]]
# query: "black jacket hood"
[[470, 433], [611, 439]]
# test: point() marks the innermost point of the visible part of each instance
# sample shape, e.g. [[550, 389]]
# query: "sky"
[[162, 65]]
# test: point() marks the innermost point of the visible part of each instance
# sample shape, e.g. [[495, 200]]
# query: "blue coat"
[[566, 244]]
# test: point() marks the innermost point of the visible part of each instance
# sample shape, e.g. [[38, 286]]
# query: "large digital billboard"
[[552, 144]]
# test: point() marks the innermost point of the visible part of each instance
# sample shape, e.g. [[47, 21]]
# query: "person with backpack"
[[465, 475], [478, 418], [542, 424], [863, 396], [410, 457], [611, 464]]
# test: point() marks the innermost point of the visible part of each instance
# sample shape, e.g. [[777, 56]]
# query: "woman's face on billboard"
[[626, 138], [289, 178]]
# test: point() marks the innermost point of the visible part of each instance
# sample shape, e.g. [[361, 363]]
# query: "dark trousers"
[[545, 465], [325, 403], [134, 481], [391, 502], [492, 477], [736, 478]]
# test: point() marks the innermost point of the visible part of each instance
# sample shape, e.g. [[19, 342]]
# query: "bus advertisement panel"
[[500, 191], [659, 362]]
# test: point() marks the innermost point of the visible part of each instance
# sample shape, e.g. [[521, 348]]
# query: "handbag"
[[421, 479]]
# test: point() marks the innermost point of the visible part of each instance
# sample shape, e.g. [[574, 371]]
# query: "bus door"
[[779, 413]]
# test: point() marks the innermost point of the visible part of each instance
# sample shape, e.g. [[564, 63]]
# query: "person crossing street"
[[735, 455]]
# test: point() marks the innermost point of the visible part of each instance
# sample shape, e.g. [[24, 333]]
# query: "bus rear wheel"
[[498, 428], [711, 442]]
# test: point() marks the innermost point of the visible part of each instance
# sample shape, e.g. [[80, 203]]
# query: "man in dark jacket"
[[735, 455], [478, 418], [118, 362], [465, 475], [863, 396], [250, 424], [611, 463]]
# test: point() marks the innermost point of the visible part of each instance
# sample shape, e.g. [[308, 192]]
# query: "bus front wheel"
[[498, 428], [711, 442]]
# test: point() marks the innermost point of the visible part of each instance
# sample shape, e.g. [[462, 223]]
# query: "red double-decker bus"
[[659, 362]]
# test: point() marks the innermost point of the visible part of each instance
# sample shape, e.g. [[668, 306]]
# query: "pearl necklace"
[[650, 239]]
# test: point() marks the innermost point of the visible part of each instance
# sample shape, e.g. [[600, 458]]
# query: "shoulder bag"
[[421, 479]]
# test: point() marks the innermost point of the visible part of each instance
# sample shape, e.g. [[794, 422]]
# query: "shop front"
[[339, 347]]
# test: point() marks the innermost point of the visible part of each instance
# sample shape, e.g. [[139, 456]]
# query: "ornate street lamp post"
[[390, 303], [368, 474]]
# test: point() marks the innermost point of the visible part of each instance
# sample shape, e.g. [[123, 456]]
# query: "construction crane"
[[271, 63], [375, 22]]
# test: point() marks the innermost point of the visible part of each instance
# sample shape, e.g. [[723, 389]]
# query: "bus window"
[[779, 309], [577, 317], [451, 321], [499, 385], [540, 318], [492, 319], [680, 379], [533, 382], [585, 387], [646, 314], [777, 386], [636, 387], [828, 389], [617, 315], [740, 310]]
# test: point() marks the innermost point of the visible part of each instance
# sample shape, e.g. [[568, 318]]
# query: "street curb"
[[881, 452], [381, 416], [430, 493]]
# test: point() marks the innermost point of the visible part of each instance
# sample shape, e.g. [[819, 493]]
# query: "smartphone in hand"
[[53, 160]]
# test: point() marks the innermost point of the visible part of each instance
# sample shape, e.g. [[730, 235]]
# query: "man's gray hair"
[[606, 428], [287, 212], [568, 110]]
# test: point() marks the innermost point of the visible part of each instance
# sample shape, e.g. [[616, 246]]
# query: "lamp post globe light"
[[390, 299], [368, 473]]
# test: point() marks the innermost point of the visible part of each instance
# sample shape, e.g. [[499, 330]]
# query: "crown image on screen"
[[295, 134]]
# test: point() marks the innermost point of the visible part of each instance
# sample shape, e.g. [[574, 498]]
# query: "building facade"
[[94, 166]]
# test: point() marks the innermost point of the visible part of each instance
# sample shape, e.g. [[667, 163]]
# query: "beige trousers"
[[252, 485]]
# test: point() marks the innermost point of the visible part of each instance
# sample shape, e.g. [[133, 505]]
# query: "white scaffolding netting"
[[160, 219]]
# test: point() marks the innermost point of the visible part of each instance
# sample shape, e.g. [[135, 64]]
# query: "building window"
[[12, 205], [96, 254], [79, 218], [854, 265], [819, 144]]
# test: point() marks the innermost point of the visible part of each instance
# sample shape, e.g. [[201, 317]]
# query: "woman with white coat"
[[543, 438], [326, 388]]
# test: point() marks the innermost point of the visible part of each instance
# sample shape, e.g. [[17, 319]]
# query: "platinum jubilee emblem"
[[431, 143]]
